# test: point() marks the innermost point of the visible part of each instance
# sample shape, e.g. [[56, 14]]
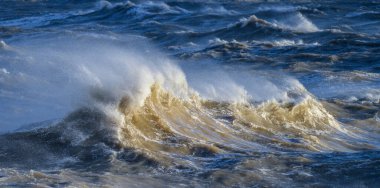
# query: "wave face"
[[189, 93]]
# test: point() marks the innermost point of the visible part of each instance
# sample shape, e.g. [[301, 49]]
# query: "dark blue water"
[[189, 93]]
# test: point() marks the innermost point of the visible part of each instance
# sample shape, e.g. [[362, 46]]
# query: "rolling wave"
[[157, 114]]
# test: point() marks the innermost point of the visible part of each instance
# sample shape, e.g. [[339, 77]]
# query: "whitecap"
[[253, 19], [298, 23], [285, 42], [4, 71], [106, 4], [4, 45]]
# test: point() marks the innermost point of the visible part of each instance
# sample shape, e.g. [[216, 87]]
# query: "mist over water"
[[189, 94]]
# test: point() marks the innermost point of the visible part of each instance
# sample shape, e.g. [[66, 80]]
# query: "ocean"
[[182, 93]]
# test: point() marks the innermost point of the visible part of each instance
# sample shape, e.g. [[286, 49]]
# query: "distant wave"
[[297, 23]]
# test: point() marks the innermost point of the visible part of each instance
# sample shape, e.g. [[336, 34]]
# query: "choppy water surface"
[[189, 94]]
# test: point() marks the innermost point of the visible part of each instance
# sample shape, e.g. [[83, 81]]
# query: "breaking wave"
[[146, 105]]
